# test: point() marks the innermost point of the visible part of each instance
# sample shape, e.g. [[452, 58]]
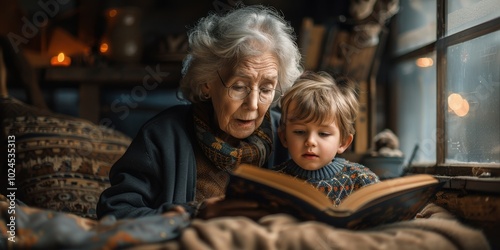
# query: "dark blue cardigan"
[[158, 170]]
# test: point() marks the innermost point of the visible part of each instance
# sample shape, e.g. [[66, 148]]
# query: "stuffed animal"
[[386, 143]]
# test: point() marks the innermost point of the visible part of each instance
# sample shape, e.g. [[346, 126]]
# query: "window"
[[415, 25], [472, 97], [444, 91], [414, 95]]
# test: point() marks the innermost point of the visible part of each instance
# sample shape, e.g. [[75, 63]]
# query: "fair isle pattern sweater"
[[337, 180]]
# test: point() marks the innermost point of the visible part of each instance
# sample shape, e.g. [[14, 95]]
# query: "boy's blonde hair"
[[320, 98]]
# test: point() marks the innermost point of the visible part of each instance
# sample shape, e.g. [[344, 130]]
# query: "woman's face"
[[240, 118]]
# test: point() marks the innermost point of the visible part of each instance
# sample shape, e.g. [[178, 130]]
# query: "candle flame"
[[60, 57], [103, 48], [60, 60]]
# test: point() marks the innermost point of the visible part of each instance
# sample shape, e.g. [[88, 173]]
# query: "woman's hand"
[[218, 207], [176, 210]]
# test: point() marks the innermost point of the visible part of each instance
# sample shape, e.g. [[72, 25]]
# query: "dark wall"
[[85, 20]]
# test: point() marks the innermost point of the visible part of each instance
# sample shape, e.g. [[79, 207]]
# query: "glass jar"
[[122, 39]]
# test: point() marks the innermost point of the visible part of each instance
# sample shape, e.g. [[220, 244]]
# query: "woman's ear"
[[347, 142], [205, 88], [281, 135]]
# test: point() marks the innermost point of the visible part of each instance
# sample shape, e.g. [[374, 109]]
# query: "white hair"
[[220, 41]]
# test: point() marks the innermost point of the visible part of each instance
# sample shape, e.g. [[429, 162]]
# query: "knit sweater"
[[159, 168], [337, 180]]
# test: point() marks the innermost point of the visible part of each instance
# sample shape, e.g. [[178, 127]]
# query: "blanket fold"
[[434, 228]]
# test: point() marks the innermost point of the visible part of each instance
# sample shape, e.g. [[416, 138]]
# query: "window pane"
[[464, 14], [415, 25], [473, 94], [414, 105]]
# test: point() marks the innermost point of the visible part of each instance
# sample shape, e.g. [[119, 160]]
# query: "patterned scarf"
[[254, 149]]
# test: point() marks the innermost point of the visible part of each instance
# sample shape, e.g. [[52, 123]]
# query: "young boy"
[[317, 123]]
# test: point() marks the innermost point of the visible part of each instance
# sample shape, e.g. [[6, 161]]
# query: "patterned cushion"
[[37, 228], [62, 162]]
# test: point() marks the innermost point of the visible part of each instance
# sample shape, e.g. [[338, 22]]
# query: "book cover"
[[388, 201]]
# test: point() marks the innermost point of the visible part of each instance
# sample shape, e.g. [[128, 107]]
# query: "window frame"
[[470, 176]]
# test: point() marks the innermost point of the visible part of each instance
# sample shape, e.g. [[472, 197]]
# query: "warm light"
[[104, 47], [112, 13], [455, 101], [464, 108], [424, 62], [60, 60], [459, 105], [60, 57]]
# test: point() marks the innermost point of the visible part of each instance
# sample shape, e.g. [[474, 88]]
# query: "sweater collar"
[[326, 172]]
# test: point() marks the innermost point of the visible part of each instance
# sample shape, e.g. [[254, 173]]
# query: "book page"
[[378, 190]]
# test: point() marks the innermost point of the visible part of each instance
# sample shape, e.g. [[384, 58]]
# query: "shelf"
[[90, 80], [168, 74]]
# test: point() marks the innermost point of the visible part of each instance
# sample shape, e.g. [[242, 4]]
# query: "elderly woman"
[[238, 66]]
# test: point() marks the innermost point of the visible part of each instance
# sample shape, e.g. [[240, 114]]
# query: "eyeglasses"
[[266, 95]]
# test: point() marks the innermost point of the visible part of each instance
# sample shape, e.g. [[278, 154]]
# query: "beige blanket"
[[434, 228], [33, 228]]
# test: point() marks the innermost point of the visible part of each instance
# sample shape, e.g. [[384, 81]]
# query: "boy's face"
[[312, 145]]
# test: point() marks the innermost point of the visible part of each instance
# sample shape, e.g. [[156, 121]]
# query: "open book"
[[384, 202]]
